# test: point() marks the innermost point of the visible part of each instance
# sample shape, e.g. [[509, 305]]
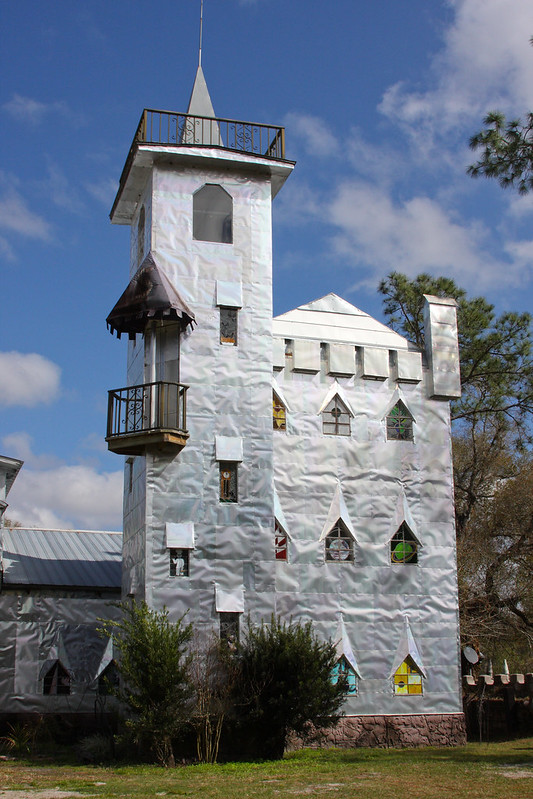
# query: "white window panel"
[[278, 353], [375, 363], [306, 356], [180, 535], [228, 448], [409, 366], [229, 294], [341, 359]]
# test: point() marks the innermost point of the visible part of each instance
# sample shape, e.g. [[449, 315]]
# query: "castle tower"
[[195, 419]]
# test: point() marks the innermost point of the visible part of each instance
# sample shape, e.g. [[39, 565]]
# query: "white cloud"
[[28, 379], [67, 497], [413, 236], [15, 216], [486, 63], [28, 110], [61, 192], [19, 445], [317, 137], [104, 190]]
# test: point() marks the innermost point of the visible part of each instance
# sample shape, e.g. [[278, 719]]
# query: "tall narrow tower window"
[[228, 326], [140, 235], [212, 214], [228, 482]]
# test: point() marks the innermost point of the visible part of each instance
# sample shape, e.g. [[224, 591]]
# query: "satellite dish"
[[471, 655]]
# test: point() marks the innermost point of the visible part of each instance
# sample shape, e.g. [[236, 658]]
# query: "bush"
[[283, 687]]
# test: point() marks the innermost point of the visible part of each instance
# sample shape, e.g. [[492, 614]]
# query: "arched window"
[[279, 413], [212, 214], [56, 681], [399, 423], [344, 672], [407, 678], [403, 546], [336, 418], [339, 544]]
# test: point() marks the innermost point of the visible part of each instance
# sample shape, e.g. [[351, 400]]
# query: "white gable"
[[331, 318]]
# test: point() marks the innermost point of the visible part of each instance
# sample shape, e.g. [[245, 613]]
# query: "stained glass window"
[[212, 214], [336, 418], [228, 481], [56, 680], [279, 413], [179, 562], [343, 672], [339, 544], [403, 546], [399, 423], [280, 542], [228, 325], [407, 678]]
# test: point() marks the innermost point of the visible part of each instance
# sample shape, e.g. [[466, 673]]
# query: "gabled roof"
[[333, 319], [9, 467], [61, 558]]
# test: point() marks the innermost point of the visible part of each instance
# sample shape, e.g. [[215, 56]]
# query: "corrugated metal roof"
[[332, 319], [84, 559]]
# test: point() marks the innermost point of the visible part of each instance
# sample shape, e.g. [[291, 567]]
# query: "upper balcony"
[[170, 132], [149, 416]]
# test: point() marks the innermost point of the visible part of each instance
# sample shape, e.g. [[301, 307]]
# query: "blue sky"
[[379, 101]]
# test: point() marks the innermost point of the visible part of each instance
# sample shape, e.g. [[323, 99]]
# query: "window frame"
[[343, 670], [173, 557], [279, 410], [229, 485], [229, 317], [414, 678], [338, 410], [339, 533], [402, 537], [57, 680], [394, 423], [202, 216], [229, 627], [281, 547]]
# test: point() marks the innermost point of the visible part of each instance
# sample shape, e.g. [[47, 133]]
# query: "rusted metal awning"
[[149, 295]]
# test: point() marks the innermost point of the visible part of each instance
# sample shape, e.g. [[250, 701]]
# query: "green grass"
[[476, 771]]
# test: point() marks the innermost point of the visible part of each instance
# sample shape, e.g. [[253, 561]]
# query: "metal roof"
[[73, 558], [332, 319]]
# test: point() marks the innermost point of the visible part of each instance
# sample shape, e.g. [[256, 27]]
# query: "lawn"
[[476, 771]]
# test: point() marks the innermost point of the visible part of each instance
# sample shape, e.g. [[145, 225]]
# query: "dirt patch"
[[517, 772]]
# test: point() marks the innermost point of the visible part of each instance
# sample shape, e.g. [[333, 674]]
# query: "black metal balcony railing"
[[167, 127], [147, 408]]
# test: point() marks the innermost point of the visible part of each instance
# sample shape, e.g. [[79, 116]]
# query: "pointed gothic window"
[[336, 418], [56, 681], [399, 423], [407, 678], [279, 413], [339, 544], [108, 679], [280, 541], [212, 214], [403, 546], [344, 672]]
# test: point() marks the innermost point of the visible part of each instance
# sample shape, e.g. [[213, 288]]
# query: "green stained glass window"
[[399, 423]]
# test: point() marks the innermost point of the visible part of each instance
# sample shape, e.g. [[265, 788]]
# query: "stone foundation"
[[398, 731]]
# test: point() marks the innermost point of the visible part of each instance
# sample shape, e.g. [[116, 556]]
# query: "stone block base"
[[397, 731]]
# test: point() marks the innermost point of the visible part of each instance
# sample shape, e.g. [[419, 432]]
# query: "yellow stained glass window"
[[279, 413], [407, 678]]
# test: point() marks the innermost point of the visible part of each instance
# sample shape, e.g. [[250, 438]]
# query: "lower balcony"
[[152, 416]]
